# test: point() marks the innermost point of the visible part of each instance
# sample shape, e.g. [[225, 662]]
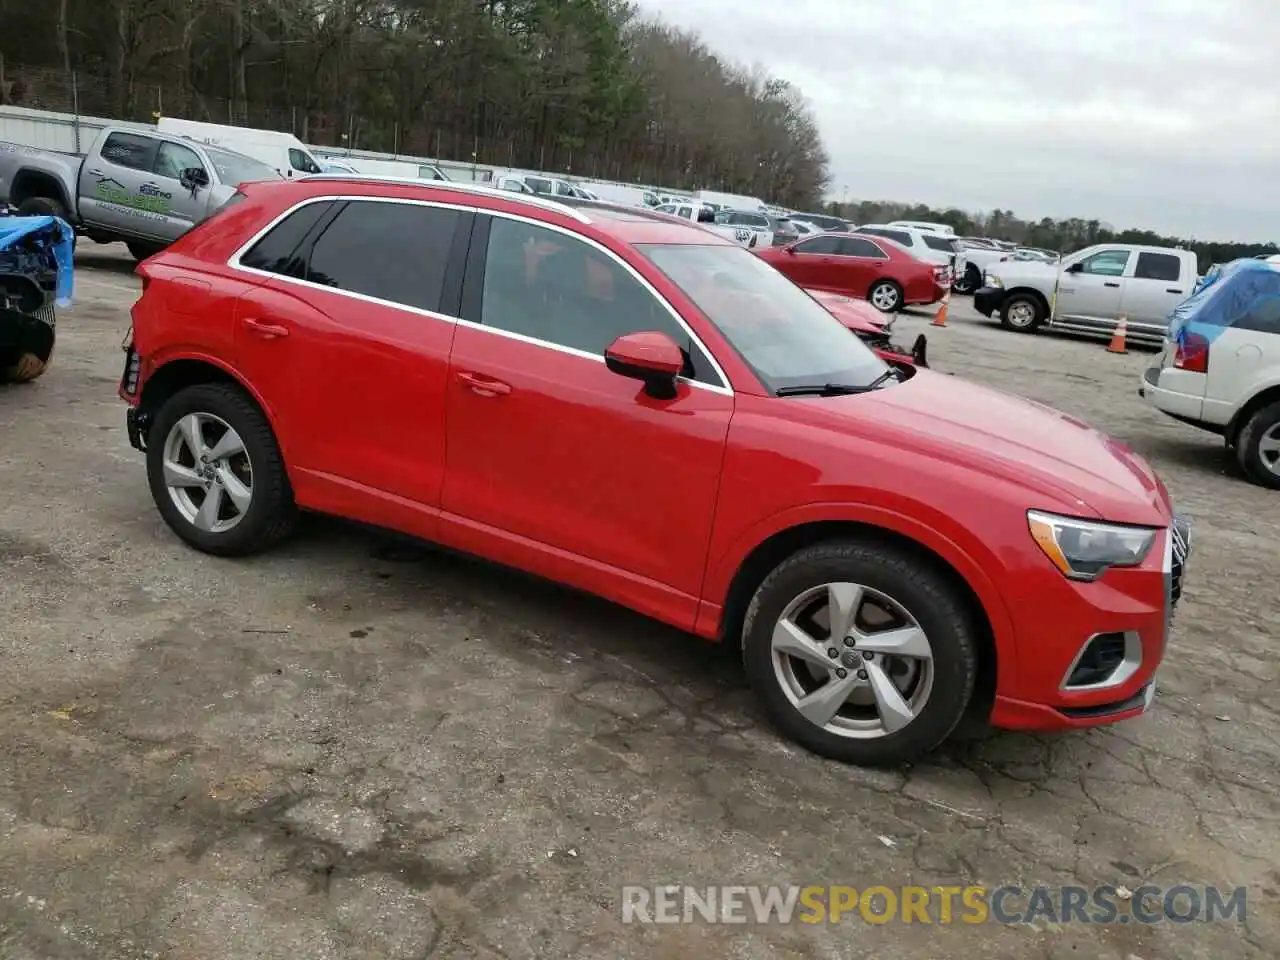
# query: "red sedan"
[[869, 268], [644, 410], [872, 328]]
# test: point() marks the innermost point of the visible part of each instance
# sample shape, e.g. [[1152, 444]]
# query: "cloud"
[[1148, 113]]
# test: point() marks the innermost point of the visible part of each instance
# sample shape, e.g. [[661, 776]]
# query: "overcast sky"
[[1162, 114]]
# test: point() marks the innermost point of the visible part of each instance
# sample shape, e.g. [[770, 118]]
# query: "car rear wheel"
[[1022, 312], [141, 251], [860, 652], [1258, 447], [969, 281], [216, 473], [885, 296]]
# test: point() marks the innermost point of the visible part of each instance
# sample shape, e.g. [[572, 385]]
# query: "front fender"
[[971, 560]]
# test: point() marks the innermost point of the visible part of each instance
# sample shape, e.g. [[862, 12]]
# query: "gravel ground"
[[349, 748]]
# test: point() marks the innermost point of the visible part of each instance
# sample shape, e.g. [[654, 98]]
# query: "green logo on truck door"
[[148, 199]]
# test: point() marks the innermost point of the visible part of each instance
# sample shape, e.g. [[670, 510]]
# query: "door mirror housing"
[[649, 356], [1076, 268], [194, 177]]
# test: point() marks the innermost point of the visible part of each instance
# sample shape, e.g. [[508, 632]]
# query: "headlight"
[[1083, 549], [989, 281]]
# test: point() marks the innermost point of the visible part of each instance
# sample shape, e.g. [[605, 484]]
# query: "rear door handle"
[[484, 386], [268, 331], [1110, 284], [1172, 290]]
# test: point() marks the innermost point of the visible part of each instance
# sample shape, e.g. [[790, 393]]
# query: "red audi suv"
[[644, 410]]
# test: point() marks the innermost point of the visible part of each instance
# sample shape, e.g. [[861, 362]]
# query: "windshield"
[[234, 169], [783, 334]]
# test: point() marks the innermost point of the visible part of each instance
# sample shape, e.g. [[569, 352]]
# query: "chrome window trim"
[[234, 262], [532, 199]]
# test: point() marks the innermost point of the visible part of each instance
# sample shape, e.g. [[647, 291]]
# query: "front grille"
[[1181, 531], [1101, 656]]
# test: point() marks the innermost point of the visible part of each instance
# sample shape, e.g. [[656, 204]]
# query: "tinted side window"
[[1158, 266], [274, 253], [129, 150], [823, 246], [542, 284], [396, 252], [939, 243], [861, 247]]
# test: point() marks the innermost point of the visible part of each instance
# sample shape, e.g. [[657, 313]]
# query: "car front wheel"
[[860, 652], [1022, 312], [216, 473]]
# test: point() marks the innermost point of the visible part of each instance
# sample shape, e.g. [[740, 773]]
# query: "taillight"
[[1192, 354]]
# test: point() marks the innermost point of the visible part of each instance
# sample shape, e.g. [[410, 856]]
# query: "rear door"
[[348, 343], [1153, 287], [1097, 290], [111, 186], [1243, 358], [862, 263]]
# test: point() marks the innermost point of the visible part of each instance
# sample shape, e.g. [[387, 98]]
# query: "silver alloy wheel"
[[1269, 449], [884, 297], [1022, 313], [207, 472], [852, 660]]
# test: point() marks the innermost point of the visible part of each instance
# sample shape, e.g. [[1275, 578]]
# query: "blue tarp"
[[44, 229], [1226, 295]]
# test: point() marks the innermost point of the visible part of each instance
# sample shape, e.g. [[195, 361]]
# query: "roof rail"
[[460, 187]]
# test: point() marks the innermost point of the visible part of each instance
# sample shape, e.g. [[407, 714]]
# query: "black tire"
[[140, 250], [970, 282], [1248, 442], [1010, 312], [271, 514], [897, 294], [42, 207], [924, 592]]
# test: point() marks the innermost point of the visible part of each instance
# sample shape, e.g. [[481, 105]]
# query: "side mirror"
[[193, 177], [791, 249], [650, 356], [1076, 268]]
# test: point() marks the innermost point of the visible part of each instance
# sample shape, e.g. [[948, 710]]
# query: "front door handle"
[[1110, 284], [94, 173], [267, 331], [484, 386], [1172, 290]]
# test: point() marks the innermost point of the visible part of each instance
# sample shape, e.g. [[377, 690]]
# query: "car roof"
[[591, 217]]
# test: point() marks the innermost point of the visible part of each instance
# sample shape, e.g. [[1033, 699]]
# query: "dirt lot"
[[352, 749]]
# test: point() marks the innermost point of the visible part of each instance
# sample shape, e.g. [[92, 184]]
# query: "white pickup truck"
[[1091, 289]]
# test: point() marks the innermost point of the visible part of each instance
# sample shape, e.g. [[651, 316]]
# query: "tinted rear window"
[[1158, 266], [396, 252], [275, 252]]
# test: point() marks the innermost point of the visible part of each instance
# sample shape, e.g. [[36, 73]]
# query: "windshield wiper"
[[835, 389]]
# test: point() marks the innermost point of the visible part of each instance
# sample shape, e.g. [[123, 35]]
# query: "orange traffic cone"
[[941, 319], [1117, 340]]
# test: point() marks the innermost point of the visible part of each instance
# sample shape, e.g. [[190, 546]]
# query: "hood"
[[1082, 468], [1022, 268], [857, 315]]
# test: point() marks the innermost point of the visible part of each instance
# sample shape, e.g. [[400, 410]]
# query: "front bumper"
[[988, 300], [1057, 618]]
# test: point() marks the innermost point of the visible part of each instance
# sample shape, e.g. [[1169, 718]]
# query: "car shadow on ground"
[[577, 627], [1207, 455], [104, 258]]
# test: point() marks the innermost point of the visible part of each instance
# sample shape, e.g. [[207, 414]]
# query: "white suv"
[[926, 245], [1220, 370]]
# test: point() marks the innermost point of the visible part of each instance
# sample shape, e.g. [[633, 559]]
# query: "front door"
[[1096, 291], [185, 206], [558, 464]]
